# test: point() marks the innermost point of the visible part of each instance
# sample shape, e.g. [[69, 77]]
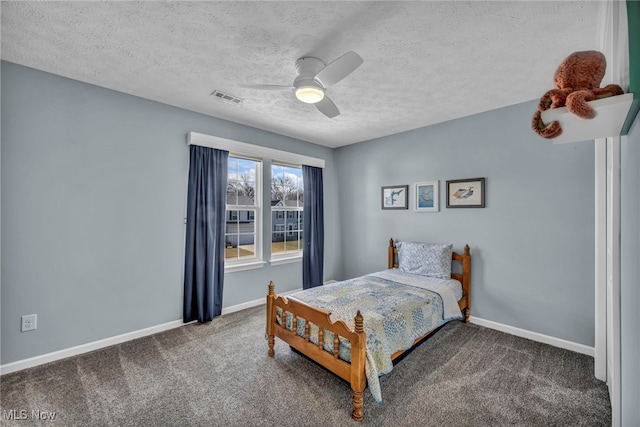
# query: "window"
[[247, 204], [242, 235], [287, 192]]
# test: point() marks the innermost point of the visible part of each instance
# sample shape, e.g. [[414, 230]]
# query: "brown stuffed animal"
[[577, 81]]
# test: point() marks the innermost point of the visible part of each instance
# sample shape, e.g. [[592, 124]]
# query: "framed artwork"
[[395, 197], [426, 194], [465, 193]]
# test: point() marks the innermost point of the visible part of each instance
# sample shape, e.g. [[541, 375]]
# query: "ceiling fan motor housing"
[[307, 69], [309, 66]]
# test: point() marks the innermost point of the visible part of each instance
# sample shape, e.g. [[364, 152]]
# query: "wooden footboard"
[[353, 372]]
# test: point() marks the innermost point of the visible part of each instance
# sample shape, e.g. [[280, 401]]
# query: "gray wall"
[[532, 246], [93, 201], [630, 276]]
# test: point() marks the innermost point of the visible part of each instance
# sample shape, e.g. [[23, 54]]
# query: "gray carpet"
[[219, 374]]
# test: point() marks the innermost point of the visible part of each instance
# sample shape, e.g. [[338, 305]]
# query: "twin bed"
[[357, 328]]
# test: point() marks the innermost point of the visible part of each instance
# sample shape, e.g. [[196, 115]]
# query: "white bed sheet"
[[450, 290]]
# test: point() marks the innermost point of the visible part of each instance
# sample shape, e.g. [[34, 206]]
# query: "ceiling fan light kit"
[[309, 94], [314, 77]]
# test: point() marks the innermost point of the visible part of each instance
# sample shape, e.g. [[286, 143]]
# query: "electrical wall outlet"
[[29, 322]]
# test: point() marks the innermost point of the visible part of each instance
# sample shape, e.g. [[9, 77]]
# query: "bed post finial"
[[466, 249], [358, 322], [271, 288], [391, 259]]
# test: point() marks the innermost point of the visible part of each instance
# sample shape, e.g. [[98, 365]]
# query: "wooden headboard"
[[464, 277]]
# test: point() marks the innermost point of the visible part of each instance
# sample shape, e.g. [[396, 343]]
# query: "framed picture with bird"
[[466, 193], [395, 197], [426, 196]]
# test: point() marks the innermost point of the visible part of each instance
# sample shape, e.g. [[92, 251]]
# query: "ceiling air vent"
[[227, 98]]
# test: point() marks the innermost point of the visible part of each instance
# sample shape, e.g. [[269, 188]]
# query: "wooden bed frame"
[[354, 372]]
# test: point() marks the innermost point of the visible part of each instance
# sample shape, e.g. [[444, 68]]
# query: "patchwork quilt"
[[397, 309]]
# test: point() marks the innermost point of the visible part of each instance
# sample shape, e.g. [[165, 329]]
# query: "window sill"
[[286, 260], [242, 267]]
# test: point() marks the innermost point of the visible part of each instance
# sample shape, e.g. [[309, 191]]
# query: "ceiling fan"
[[314, 77]]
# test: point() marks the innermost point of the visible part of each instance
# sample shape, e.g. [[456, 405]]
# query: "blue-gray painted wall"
[[93, 205], [532, 246]]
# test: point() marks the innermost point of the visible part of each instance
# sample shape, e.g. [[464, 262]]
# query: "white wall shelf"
[[611, 115]]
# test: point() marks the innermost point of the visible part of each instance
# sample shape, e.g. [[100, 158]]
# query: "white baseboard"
[[254, 303], [96, 345], [244, 305], [85, 348], [534, 336]]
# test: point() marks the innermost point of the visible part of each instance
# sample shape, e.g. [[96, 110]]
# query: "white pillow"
[[425, 259]]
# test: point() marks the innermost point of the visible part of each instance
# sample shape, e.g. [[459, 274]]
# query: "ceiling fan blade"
[[267, 87], [327, 107], [339, 69]]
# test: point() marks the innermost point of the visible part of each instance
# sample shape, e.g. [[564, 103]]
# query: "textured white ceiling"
[[424, 62]]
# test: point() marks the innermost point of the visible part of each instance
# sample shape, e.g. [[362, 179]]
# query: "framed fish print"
[[395, 197], [426, 194], [465, 193]]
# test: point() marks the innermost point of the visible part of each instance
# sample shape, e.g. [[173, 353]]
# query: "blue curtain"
[[204, 254], [313, 227]]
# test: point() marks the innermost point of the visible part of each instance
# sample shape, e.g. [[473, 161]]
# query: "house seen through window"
[[242, 236]]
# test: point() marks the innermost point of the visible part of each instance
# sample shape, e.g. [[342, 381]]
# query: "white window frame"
[[258, 152], [256, 260]]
